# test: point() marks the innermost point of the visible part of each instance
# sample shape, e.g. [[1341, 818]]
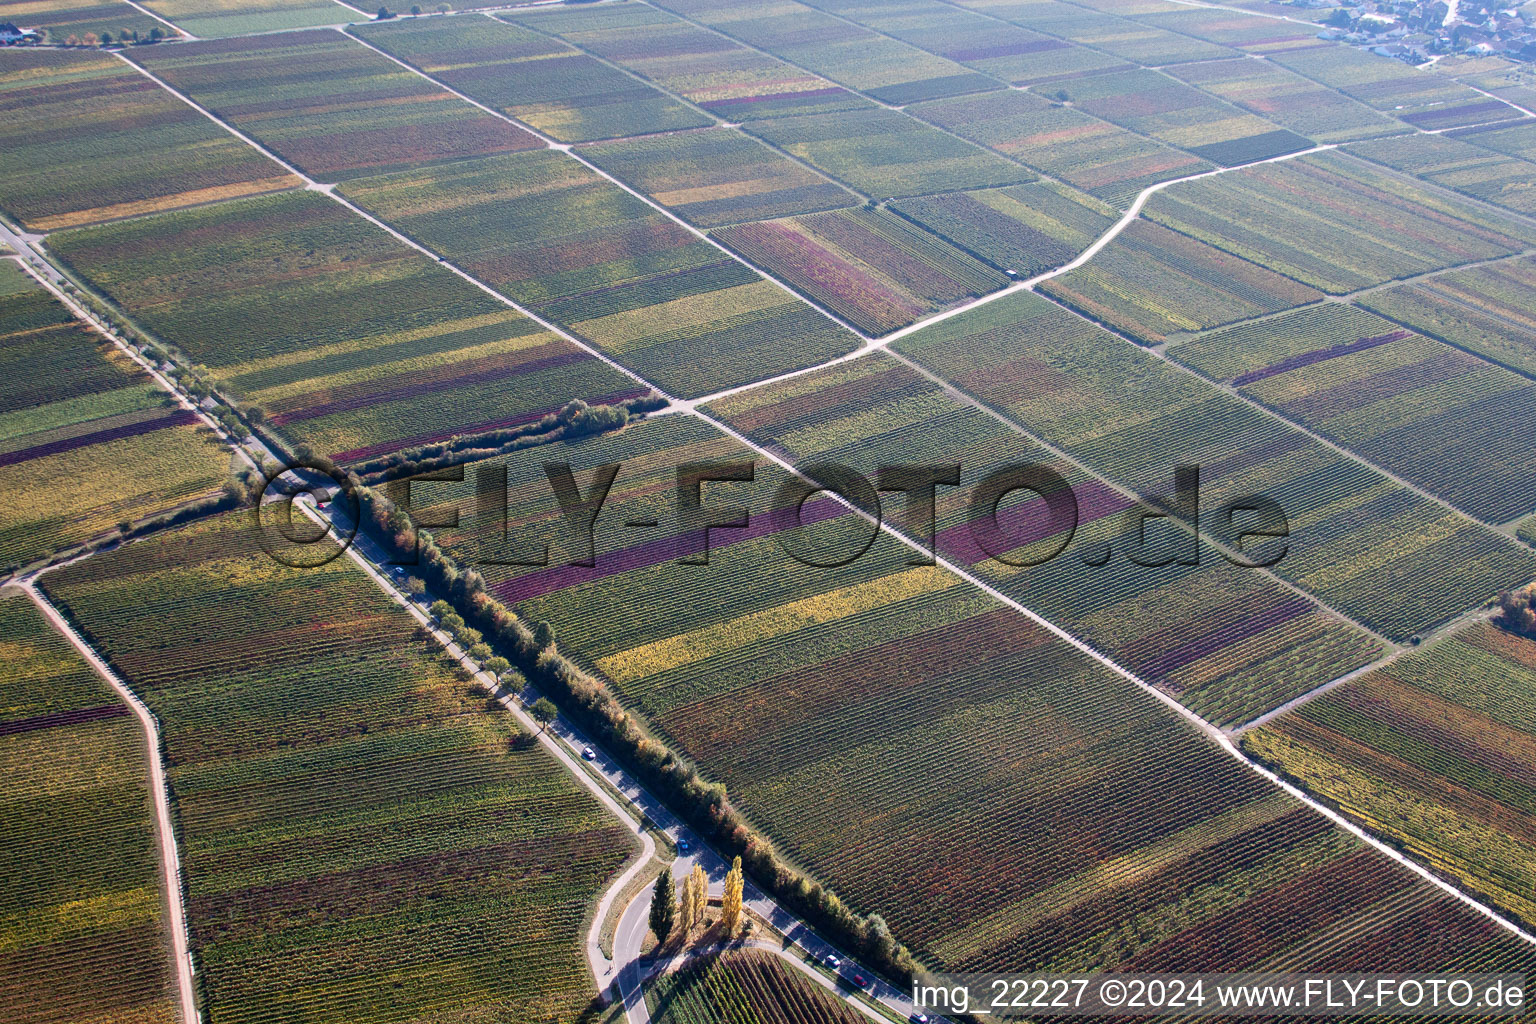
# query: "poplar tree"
[[663, 905], [685, 905], [700, 894], [730, 903]]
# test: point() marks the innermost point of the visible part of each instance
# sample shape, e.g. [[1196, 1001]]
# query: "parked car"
[[589, 753], [831, 961]]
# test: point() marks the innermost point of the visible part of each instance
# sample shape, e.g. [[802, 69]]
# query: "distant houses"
[[1416, 31], [10, 35]]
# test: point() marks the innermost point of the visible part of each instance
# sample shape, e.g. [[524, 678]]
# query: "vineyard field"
[[583, 253], [357, 829], [348, 340], [83, 901], [744, 987], [718, 176], [1336, 223], [1228, 643], [891, 728], [1055, 481], [1430, 102], [1151, 103], [1012, 53], [1434, 751], [363, 115], [87, 441], [564, 93], [1502, 78], [1515, 139], [885, 153], [1285, 98], [210, 19], [1151, 282], [1229, 28], [870, 267], [85, 138], [1487, 310], [877, 65], [1025, 229], [1370, 548], [1429, 413], [709, 70], [1126, 38], [1102, 159], [1460, 166]]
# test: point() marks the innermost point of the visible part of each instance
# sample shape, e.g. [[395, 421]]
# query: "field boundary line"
[[1313, 694], [734, 126], [1353, 299], [1270, 17], [966, 398], [1233, 10], [1493, 96], [170, 863], [1006, 84], [1227, 389], [1416, 129], [329, 191], [1094, 248], [1455, 625], [1410, 128], [90, 319], [569, 150], [1199, 723], [1491, 209], [173, 26], [1002, 86], [595, 958]]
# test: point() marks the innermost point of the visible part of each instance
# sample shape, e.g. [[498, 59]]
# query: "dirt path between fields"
[[165, 831]]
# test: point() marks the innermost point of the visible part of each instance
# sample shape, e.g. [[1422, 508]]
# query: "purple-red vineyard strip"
[[654, 552], [1317, 356], [1027, 522], [414, 389], [1232, 633], [1466, 111], [69, 444], [54, 720]]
